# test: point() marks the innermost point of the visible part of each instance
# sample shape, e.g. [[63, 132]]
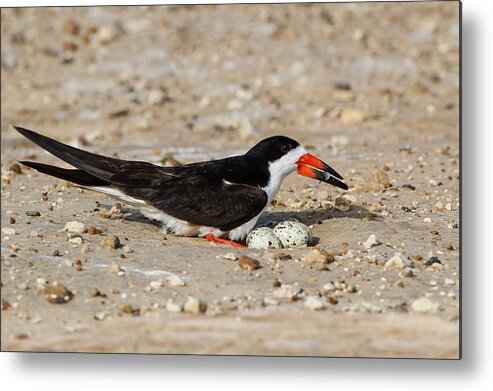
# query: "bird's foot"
[[212, 238]]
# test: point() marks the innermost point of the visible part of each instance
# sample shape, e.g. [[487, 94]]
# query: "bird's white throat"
[[281, 168]]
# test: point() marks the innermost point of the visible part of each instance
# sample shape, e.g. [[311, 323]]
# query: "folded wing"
[[200, 200]]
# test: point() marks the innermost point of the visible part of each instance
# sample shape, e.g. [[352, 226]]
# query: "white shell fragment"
[[293, 233], [263, 238], [8, 231], [396, 262], [175, 280], [75, 227], [290, 292], [425, 305], [314, 303], [370, 242]]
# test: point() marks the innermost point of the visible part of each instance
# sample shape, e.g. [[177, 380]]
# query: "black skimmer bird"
[[217, 199]]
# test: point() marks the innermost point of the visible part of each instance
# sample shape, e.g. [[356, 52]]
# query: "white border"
[[474, 372]]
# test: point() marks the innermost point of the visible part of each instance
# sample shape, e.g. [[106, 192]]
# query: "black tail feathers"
[[76, 176], [102, 167]]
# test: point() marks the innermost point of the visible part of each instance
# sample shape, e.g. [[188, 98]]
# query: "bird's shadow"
[[316, 215]]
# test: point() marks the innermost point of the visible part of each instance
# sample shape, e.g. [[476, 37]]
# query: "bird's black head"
[[281, 155], [272, 148]]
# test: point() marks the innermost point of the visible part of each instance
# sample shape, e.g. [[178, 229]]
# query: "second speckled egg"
[[293, 233]]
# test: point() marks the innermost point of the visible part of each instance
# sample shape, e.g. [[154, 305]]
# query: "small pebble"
[[175, 281], [342, 204], [314, 303], [396, 262], [278, 256], [74, 227], [248, 264], [287, 291], [351, 288], [75, 240], [432, 261], [156, 97], [370, 242], [100, 315], [111, 241], [229, 256], [424, 305], [94, 231], [35, 234], [5, 305], [127, 250], [329, 287], [15, 168], [173, 307], [407, 272], [332, 300], [96, 293], [8, 231], [276, 283], [41, 282], [270, 301], [106, 34], [70, 26], [381, 177], [194, 306], [115, 268], [128, 309], [317, 257], [156, 284], [57, 294]]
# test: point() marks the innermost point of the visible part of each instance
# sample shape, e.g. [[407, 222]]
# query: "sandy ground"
[[373, 89]]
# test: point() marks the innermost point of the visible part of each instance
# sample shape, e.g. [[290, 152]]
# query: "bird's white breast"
[[281, 168]]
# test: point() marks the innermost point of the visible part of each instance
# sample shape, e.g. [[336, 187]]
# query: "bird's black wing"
[[198, 199]]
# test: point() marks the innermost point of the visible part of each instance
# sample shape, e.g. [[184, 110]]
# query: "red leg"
[[212, 238]]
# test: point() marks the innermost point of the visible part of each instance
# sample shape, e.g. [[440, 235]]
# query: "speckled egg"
[[263, 238], [293, 233]]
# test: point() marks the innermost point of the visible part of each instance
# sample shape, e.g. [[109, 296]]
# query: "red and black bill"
[[312, 167]]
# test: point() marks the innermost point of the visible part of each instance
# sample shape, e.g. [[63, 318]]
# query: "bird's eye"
[[285, 148]]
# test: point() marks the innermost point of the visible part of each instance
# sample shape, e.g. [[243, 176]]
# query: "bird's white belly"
[[183, 228], [239, 233], [170, 224], [176, 226]]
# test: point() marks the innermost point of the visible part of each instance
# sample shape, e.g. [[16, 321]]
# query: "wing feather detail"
[[198, 199]]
